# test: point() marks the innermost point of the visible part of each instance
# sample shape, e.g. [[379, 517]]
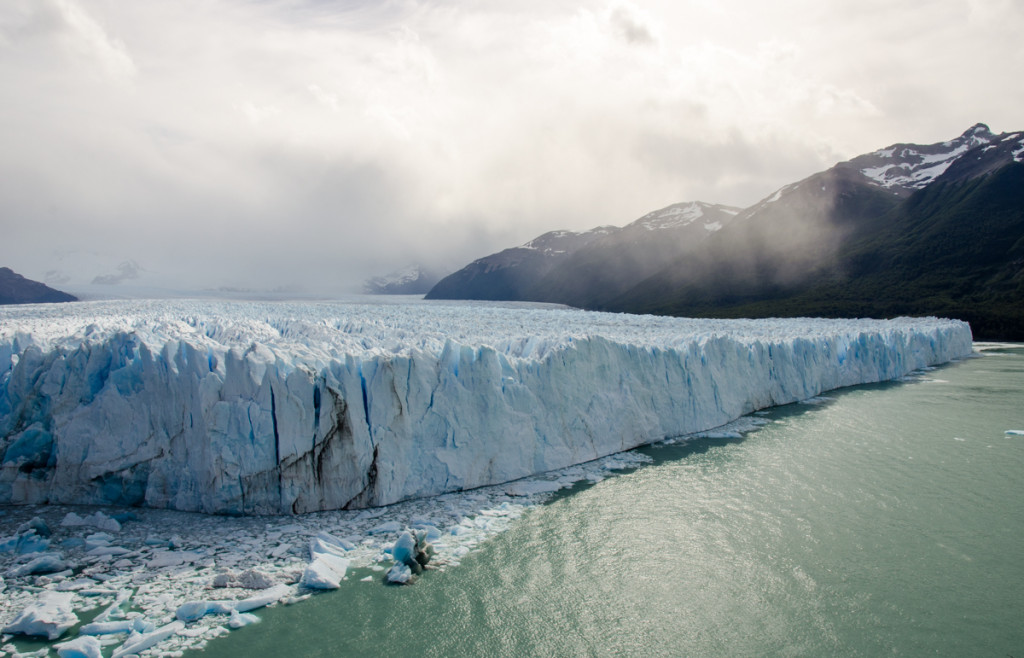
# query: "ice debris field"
[[112, 582], [258, 408]]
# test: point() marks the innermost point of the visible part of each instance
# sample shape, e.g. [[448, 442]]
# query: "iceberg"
[[193, 610], [137, 643], [45, 563], [398, 574], [135, 624], [254, 408], [80, 647], [49, 616], [325, 572]]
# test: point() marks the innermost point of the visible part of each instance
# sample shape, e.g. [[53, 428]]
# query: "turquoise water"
[[885, 520]]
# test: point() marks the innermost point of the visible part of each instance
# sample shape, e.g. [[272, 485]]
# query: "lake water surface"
[[882, 520]]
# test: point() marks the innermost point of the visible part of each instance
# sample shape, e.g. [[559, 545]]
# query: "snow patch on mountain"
[[914, 167], [563, 242], [682, 214], [677, 215]]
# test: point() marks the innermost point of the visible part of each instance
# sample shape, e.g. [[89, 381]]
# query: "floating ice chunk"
[[50, 616], [76, 584], [248, 579], [412, 550], [42, 653], [137, 625], [97, 591], [30, 542], [107, 550], [270, 595], [45, 563], [97, 519], [337, 542], [98, 539], [384, 528], [432, 532], [404, 550], [114, 611], [26, 541], [80, 647], [1015, 432], [193, 610], [320, 546], [240, 619], [325, 572], [172, 558], [36, 524], [399, 574], [140, 642]]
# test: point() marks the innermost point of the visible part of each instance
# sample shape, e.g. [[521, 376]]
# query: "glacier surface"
[[246, 407]]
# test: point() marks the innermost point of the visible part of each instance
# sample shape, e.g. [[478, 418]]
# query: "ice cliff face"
[[244, 408]]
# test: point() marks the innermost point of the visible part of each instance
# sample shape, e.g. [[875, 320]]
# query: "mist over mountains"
[[906, 230]]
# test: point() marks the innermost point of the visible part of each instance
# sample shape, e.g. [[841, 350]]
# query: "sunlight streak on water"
[[885, 520]]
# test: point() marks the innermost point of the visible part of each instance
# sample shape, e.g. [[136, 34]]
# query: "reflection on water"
[[885, 520]]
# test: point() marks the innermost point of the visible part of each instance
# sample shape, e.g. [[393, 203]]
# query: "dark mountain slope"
[[771, 249], [908, 229], [954, 248], [511, 274], [614, 263], [16, 289]]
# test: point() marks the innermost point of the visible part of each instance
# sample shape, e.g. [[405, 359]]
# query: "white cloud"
[[329, 100], [323, 142], [90, 39]]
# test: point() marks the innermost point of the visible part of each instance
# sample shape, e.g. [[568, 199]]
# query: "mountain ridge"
[[905, 220]]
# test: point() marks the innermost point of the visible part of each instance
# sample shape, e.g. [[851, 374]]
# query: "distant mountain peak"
[[410, 280], [561, 242], [683, 214], [978, 130], [904, 168]]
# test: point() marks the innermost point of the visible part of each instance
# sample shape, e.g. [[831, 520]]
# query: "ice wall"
[[245, 408]]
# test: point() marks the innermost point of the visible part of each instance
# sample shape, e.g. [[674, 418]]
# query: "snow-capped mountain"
[[915, 217], [679, 215], [554, 243], [570, 267], [904, 168], [412, 280], [908, 229]]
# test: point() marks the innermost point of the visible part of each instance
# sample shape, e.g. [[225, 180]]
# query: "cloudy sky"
[[312, 143]]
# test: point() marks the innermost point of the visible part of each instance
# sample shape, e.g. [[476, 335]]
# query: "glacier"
[[277, 408]]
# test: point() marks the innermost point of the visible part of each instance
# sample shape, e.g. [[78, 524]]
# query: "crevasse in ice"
[[251, 407]]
